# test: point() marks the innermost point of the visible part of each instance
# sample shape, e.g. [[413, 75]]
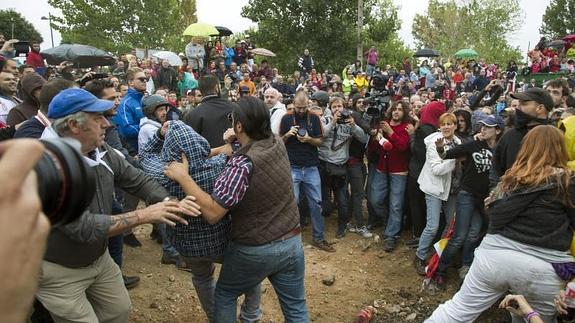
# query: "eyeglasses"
[[143, 79]]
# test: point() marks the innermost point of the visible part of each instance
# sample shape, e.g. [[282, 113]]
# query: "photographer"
[[334, 154], [302, 133], [23, 228], [80, 282]]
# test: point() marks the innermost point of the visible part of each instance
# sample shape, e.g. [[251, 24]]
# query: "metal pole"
[[12, 21], [51, 31], [359, 55]]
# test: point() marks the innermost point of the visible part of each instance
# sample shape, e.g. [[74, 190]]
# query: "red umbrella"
[[569, 38]]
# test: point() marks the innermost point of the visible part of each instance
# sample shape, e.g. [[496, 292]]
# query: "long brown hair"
[[542, 159]]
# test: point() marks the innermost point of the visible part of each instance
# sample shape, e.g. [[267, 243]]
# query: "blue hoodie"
[[128, 117]]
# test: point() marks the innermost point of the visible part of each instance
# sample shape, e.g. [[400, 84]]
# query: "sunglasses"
[[143, 79]]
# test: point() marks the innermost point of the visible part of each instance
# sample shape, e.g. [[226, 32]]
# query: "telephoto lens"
[[66, 184]]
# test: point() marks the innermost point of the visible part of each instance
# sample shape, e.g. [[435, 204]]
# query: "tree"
[[119, 26], [23, 30], [326, 28], [483, 25], [559, 19]]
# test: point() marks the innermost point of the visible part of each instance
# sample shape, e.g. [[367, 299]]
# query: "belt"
[[290, 234]]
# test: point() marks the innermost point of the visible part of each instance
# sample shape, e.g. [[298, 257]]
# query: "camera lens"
[[66, 185], [301, 132]]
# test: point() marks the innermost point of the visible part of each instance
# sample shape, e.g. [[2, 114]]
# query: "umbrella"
[[171, 57], [222, 31], [263, 52], [426, 52], [80, 55], [556, 43], [466, 53], [569, 38], [200, 30]]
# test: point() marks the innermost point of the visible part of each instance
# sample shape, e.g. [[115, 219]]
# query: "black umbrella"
[[79, 55], [223, 31], [426, 52]]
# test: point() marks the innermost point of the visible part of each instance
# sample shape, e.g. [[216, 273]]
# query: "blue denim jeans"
[[202, 269], [281, 262], [116, 248], [167, 246], [309, 179], [434, 206], [372, 217], [393, 186], [468, 223]]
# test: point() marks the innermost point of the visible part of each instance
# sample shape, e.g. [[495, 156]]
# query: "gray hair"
[[61, 125]]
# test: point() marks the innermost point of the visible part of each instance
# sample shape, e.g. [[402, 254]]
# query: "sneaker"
[[323, 245], [364, 232], [131, 281], [340, 233], [132, 241], [463, 271], [419, 265], [389, 245], [351, 228]]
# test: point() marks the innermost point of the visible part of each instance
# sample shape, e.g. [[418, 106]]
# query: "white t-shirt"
[[276, 114], [5, 106]]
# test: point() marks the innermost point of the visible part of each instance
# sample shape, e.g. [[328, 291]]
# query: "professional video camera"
[[377, 99], [66, 185]]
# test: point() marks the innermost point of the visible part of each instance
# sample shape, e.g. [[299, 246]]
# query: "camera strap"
[[335, 147]]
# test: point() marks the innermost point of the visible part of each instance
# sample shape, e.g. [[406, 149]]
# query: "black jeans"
[[356, 175], [417, 207], [338, 185]]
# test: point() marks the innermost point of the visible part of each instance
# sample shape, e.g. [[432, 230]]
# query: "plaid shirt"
[[233, 183], [198, 238]]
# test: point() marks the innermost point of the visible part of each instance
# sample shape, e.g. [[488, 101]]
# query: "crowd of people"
[[233, 157]]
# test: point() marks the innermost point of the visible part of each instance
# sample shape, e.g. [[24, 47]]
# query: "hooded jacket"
[[148, 128], [187, 83], [128, 117], [29, 107]]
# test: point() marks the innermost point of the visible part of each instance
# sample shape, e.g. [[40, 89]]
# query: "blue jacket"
[[229, 56], [128, 117]]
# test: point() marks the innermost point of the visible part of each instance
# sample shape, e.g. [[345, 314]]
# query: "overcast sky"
[[210, 11]]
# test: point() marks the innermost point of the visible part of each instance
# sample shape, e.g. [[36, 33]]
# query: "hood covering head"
[[30, 83], [431, 112]]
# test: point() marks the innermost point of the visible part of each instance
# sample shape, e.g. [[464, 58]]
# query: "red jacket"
[[397, 159], [35, 59]]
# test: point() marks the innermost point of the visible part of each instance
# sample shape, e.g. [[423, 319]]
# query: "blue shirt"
[[299, 153], [128, 117]]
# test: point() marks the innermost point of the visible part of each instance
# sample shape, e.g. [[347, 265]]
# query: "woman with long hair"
[[526, 249]]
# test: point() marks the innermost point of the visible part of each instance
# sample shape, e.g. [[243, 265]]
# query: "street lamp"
[[49, 18]]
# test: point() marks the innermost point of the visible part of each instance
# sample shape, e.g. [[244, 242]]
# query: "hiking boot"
[[181, 264], [419, 265], [169, 260], [323, 245], [131, 281], [463, 271], [389, 245], [364, 232], [132, 241]]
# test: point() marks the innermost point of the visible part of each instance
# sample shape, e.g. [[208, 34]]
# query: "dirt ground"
[[364, 275]]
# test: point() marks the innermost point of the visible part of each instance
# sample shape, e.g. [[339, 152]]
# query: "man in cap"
[[80, 282], [155, 108], [534, 107]]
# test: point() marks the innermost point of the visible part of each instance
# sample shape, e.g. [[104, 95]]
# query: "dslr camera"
[[344, 115], [66, 185]]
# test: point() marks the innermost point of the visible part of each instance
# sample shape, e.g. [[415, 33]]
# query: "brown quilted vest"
[[268, 210]]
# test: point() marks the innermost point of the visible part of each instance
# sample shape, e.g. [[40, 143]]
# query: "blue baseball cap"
[[73, 100], [493, 121]]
